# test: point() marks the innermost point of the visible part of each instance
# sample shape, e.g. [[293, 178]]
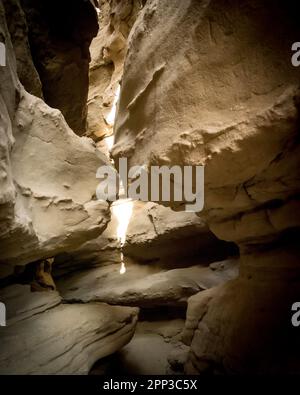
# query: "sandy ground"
[[154, 346]]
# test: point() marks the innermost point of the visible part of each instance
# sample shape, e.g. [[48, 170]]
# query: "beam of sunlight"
[[123, 267], [122, 210], [109, 141], [110, 118]]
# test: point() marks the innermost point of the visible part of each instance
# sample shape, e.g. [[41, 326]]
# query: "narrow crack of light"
[[122, 210], [109, 141], [110, 119]]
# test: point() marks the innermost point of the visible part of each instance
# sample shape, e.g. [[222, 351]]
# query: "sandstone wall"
[[48, 178], [108, 51], [211, 83]]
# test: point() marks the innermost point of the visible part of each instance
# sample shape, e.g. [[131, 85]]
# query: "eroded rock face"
[[148, 286], [162, 352], [47, 176], [59, 35], [166, 254], [103, 250], [61, 339], [108, 51], [244, 326], [211, 83], [47, 206], [157, 233]]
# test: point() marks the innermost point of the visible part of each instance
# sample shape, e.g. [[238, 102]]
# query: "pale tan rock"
[[209, 83], [53, 206], [44, 337], [47, 176], [155, 234], [108, 50], [245, 325], [103, 250], [143, 285], [21, 303], [148, 352], [158, 233], [208, 100]]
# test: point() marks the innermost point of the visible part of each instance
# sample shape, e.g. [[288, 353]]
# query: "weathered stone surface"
[[43, 336], [154, 234], [103, 250], [158, 233], [59, 36], [148, 352], [53, 206], [143, 285], [245, 325], [211, 83], [183, 107], [47, 175], [108, 51], [22, 304], [207, 83]]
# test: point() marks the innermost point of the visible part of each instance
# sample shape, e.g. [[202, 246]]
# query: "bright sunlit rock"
[[123, 268], [122, 210], [109, 141], [110, 119]]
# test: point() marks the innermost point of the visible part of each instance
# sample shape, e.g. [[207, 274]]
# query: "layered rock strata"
[[211, 83], [43, 336]]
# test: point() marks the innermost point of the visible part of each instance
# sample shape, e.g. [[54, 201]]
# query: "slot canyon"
[[143, 287]]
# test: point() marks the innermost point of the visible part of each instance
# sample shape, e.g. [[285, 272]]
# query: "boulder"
[[146, 286], [48, 183], [155, 234], [43, 336]]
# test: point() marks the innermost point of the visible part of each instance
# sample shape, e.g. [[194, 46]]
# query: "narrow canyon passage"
[[97, 280], [159, 291]]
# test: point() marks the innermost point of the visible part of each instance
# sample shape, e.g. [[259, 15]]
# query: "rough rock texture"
[[154, 234], [154, 347], [144, 285], [47, 206], [103, 250], [108, 51], [43, 336], [22, 304], [212, 83], [59, 37], [157, 233], [47, 175]]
